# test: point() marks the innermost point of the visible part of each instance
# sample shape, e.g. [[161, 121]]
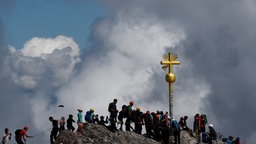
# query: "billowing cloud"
[[122, 63], [39, 57], [36, 72]]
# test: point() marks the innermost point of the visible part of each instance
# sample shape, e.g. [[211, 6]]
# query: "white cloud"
[[54, 58], [38, 47], [39, 69]]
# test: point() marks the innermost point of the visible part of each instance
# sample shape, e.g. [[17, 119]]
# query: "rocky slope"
[[97, 134]]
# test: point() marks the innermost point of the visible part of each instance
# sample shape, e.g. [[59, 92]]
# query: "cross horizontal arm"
[[175, 62], [165, 62]]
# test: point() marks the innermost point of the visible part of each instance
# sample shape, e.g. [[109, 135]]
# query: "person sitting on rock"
[[102, 121], [89, 115], [181, 123], [212, 135], [185, 126], [96, 119]]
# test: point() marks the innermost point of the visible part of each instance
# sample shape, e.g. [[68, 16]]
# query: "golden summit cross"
[[170, 77]]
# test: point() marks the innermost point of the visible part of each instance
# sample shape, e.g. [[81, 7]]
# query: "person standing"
[[79, 120], [148, 123], [176, 131], [122, 114], [138, 121], [7, 136], [165, 128], [196, 128], [113, 114], [129, 117], [70, 123], [21, 134], [55, 129], [62, 124], [156, 129], [79, 116]]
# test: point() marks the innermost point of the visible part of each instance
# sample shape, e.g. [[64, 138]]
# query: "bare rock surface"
[[97, 134]]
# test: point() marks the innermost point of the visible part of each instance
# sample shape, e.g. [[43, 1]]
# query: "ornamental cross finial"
[[167, 63]]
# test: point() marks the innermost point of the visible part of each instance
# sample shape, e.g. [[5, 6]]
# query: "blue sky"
[[46, 18]]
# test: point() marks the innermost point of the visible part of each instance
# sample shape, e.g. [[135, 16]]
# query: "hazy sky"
[[83, 54]]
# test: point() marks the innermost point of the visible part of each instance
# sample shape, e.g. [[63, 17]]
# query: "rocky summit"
[[97, 134]]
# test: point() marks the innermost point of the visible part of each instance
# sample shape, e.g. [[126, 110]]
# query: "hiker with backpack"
[[55, 129], [20, 135], [129, 117], [176, 131], [70, 122], [113, 114], [89, 116], [7, 136]]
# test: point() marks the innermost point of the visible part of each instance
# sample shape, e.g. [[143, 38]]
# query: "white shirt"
[[6, 138]]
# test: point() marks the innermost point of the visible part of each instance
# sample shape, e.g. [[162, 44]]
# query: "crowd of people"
[[158, 125]]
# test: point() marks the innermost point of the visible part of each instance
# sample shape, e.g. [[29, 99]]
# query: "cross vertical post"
[[170, 77]]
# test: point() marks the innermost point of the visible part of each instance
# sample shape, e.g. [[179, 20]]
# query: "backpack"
[[133, 115], [204, 119], [87, 116], [204, 137], [224, 139], [110, 106], [175, 125], [17, 134]]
